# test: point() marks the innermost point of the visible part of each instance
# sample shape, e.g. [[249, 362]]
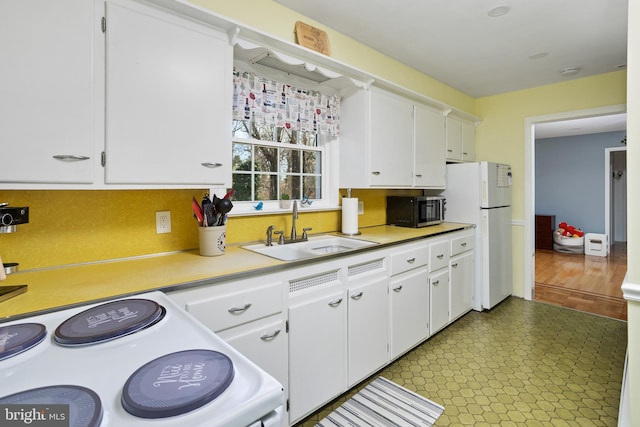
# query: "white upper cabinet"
[[168, 98], [376, 142], [461, 140], [430, 151], [390, 141], [47, 91]]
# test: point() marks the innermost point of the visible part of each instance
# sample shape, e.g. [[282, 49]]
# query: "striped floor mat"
[[383, 403]]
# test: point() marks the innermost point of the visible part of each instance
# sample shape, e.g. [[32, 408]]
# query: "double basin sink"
[[315, 246]]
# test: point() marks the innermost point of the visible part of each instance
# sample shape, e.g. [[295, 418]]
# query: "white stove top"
[[105, 367]]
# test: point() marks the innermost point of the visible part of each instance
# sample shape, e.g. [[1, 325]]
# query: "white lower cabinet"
[[461, 272], [322, 328], [317, 352], [264, 342], [368, 328], [409, 302], [439, 288]]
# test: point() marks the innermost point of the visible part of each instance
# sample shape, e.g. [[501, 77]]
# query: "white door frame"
[[529, 184], [607, 192]]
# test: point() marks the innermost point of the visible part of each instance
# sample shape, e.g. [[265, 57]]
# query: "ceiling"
[[457, 42]]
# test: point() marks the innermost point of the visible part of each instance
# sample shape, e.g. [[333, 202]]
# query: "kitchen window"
[[281, 143]]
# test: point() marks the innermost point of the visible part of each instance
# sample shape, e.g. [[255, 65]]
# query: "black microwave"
[[415, 211]]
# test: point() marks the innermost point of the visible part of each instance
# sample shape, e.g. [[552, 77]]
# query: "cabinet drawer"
[[439, 255], [461, 244], [222, 312], [408, 260]]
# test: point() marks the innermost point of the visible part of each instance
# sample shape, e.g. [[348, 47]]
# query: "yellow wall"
[[500, 136]]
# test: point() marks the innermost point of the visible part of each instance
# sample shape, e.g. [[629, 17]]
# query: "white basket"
[[569, 245]]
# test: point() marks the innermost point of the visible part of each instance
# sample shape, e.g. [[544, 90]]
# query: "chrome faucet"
[[294, 216]]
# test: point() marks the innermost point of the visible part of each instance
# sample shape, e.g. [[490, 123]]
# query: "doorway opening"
[[564, 272]]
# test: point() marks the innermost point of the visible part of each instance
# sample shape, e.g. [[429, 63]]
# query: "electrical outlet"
[[360, 207], [163, 222]]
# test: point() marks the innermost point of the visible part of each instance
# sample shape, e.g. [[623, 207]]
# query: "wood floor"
[[583, 282]]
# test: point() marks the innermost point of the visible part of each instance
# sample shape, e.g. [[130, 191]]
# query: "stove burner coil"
[[108, 321], [177, 383], [20, 337]]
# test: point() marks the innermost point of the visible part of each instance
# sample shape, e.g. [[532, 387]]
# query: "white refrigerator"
[[480, 193]]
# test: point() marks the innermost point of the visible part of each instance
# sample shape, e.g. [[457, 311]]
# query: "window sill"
[[274, 209]]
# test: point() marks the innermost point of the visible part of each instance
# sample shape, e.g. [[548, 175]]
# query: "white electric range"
[[136, 361]]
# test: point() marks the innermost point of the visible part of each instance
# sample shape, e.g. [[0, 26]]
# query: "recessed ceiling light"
[[570, 71], [538, 55], [499, 11]]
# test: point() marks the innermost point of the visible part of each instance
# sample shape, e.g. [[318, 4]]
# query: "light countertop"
[[62, 287]]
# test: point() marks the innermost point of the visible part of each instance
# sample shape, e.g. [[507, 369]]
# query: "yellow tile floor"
[[523, 363]]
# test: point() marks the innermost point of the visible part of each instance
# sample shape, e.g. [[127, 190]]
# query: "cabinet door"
[[461, 281], [409, 310], [468, 142], [317, 353], [168, 99], [264, 342], [47, 90], [430, 148], [391, 148], [439, 285], [454, 138], [368, 329]]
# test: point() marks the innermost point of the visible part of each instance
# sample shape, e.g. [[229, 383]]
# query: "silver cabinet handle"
[[411, 260], [239, 309], [463, 244], [357, 296], [70, 157], [211, 165], [449, 151], [435, 282], [440, 256], [269, 337], [397, 288], [376, 172], [418, 175], [454, 265], [335, 303]]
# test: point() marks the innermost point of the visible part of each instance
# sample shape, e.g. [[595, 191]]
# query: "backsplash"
[[78, 226]]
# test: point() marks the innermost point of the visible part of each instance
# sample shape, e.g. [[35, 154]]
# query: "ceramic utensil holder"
[[213, 240]]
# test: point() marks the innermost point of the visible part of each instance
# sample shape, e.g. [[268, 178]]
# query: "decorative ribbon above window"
[[262, 100]]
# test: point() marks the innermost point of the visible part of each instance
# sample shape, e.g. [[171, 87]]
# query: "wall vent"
[[313, 281]]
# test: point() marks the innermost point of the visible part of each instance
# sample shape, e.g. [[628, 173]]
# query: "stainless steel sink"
[[315, 246]]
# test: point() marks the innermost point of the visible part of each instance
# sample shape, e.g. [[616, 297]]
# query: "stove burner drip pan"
[[15, 339], [108, 321], [85, 407], [177, 383]]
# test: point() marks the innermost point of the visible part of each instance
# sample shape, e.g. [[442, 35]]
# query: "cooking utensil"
[[197, 211], [223, 206], [208, 211]]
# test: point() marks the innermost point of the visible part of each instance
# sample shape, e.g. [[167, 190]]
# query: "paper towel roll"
[[350, 215]]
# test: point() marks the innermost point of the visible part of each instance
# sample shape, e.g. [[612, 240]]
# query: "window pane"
[[240, 129], [289, 161], [312, 162], [266, 187], [241, 187], [266, 159], [241, 157], [312, 187], [290, 184]]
